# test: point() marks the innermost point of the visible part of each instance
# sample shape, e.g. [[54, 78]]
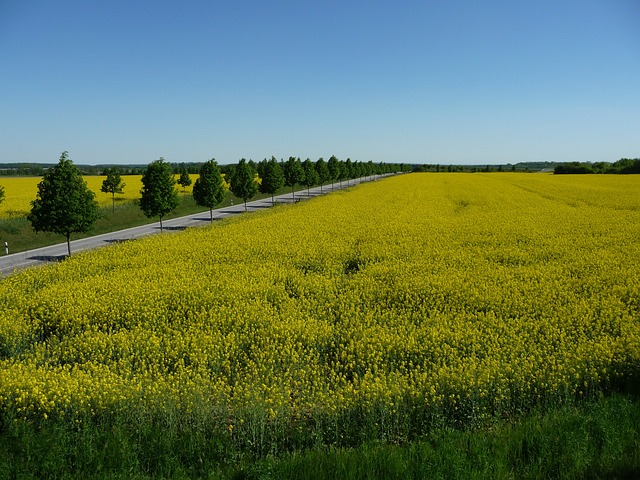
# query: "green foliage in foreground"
[[587, 440]]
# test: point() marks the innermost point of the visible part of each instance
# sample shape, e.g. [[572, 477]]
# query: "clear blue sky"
[[464, 82]]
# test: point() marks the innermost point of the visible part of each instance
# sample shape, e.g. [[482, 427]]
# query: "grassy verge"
[[598, 439], [19, 234]]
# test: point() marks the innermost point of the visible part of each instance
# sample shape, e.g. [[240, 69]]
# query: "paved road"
[[44, 255]]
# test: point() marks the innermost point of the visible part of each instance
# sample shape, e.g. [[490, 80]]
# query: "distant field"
[[379, 313], [20, 191]]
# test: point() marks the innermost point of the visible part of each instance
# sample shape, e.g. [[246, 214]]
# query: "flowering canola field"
[[418, 300], [21, 191]]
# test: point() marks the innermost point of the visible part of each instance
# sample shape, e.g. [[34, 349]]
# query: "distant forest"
[[624, 165]]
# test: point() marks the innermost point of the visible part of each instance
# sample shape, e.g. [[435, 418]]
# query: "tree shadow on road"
[[117, 240], [179, 228], [48, 258]]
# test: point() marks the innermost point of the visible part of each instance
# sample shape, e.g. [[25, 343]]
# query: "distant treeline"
[[624, 165], [509, 167], [24, 169], [38, 169]]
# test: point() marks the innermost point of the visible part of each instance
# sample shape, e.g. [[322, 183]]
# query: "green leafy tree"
[[112, 184], [272, 177], [184, 180], [158, 195], [323, 172], [369, 169], [293, 174], [343, 171], [64, 204], [359, 170], [348, 170], [208, 191], [334, 169], [243, 184], [310, 174]]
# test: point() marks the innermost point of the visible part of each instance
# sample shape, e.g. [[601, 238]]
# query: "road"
[[58, 252]]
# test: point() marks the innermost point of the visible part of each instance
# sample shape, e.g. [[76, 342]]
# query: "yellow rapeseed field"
[[21, 191], [418, 299]]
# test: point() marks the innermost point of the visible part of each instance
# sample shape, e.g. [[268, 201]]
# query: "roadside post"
[[6, 248]]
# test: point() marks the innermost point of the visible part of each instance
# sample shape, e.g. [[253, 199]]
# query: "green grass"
[[594, 440], [19, 234]]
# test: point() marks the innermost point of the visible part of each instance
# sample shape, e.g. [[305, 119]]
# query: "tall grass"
[[594, 440]]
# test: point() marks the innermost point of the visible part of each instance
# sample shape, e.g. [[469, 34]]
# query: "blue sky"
[[463, 82]]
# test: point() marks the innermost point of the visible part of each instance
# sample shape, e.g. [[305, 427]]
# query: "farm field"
[[383, 313]]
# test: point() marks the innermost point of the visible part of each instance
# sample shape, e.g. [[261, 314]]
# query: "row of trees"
[[65, 205], [274, 175]]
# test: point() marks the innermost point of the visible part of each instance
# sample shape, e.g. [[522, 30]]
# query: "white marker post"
[[6, 248]]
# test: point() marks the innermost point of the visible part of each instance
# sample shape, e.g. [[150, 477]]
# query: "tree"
[[310, 174], [293, 174], [64, 204], [112, 184], [243, 184], [1, 194], [343, 171], [158, 195], [348, 170], [369, 169], [323, 172], [272, 177], [208, 191], [334, 169], [184, 181]]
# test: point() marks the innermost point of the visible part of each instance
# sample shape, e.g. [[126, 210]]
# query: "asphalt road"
[[54, 253]]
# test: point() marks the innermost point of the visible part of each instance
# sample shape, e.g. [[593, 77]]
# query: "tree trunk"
[[293, 194], [245, 204], [273, 201], [69, 243], [161, 224], [113, 203], [211, 214]]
